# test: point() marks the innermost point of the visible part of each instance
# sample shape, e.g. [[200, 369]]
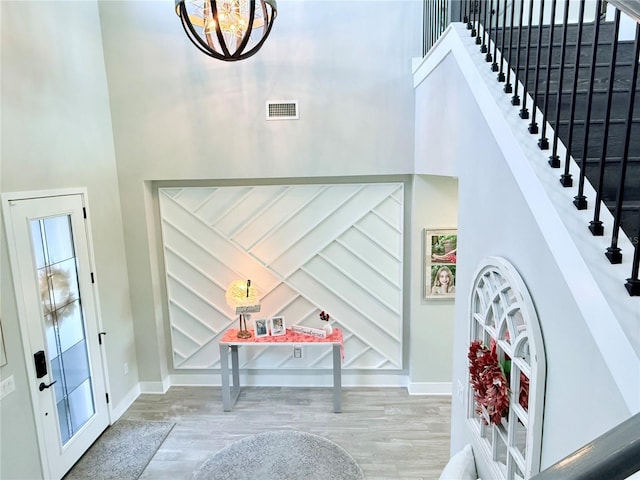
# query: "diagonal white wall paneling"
[[306, 248]]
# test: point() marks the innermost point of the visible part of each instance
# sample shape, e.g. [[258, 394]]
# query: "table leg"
[[337, 379], [224, 374], [235, 373]]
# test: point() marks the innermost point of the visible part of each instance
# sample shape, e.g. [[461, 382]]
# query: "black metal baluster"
[[483, 47], [533, 126], [438, 18], [445, 19], [515, 100], [596, 224], [633, 283], [478, 39], [444, 16], [438, 22], [543, 142], [440, 15], [469, 4], [494, 65], [464, 13], [425, 27], [554, 159], [613, 252], [524, 112], [474, 31], [580, 200], [565, 179], [434, 25], [508, 88], [488, 57], [504, 32]]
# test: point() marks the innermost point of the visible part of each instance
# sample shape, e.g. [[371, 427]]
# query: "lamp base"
[[244, 334]]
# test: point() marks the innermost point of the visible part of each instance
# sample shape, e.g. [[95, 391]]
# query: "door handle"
[[44, 385]]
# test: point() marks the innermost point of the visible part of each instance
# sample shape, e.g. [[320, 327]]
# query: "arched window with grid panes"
[[503, 316]]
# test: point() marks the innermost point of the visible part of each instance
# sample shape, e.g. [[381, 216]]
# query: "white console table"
[[230, 342]]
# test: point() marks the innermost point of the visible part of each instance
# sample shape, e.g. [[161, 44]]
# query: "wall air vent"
[[287, 110]]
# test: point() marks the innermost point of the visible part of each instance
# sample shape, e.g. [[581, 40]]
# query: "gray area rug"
[[281, 455], [122, 452]]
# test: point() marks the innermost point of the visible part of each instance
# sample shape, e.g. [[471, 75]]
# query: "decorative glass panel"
[[77, 366], [524, 352], [52, 240], [500, 450], [520, 438], [518, 475], [81, 405], [63, 415], [38, 247], [497, 308], [58, 240]]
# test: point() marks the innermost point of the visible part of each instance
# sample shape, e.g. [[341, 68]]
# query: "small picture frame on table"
[[260, 327], [277, 326], [440, 254]]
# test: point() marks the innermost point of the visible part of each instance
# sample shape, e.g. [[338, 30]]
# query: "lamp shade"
[[228, 30], [240, 293]]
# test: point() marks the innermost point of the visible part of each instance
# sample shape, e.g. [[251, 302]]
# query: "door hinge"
[[84, 212], [93, 280], [100, 337], [107, 395]]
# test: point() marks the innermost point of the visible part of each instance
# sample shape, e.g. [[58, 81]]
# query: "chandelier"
[[228, 30]]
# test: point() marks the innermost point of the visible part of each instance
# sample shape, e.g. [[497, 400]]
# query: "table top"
[[230, 337]]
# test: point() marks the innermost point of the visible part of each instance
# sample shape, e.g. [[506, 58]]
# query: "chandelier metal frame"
[[212, 39]]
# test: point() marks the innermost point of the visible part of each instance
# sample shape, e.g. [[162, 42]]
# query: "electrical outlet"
[[7, 386], [297, 352], [126, 368]]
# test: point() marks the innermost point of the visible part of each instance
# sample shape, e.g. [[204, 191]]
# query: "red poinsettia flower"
[[490, 386]]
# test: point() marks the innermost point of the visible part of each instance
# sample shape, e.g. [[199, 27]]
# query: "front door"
[[49, 247]]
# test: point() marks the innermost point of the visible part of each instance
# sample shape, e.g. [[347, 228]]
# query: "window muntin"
[[503, 316]]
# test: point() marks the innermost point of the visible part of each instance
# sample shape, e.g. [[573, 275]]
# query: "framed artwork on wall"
[[440, 247]]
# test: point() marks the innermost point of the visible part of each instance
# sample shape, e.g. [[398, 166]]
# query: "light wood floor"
[[391, 434]]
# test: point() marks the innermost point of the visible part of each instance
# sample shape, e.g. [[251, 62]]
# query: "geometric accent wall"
[[306, 248]]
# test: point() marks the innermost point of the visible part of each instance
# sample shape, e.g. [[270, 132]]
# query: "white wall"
[[187, 116], [494, 218], [56, 133], [435, 205]]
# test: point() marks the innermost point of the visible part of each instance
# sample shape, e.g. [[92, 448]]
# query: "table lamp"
[[244, 298]]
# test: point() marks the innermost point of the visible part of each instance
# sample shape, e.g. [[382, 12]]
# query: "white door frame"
[[22, 315]]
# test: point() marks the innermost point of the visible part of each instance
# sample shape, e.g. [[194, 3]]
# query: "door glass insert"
[[64, 326]]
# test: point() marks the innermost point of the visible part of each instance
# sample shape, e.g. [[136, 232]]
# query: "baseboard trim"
[[118, 410], [263, 379], [156, 387], [429, 388], [295, 379]]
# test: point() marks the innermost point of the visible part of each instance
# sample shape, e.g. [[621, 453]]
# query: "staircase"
[[589, 118], [581, 79], [561, 121]]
